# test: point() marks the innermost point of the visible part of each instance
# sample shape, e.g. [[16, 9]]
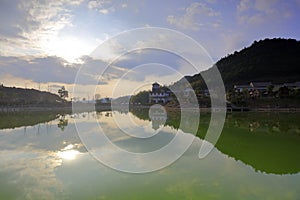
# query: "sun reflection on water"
[[68, 153]]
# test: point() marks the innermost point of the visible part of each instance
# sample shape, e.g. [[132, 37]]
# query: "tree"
[[270, 90], [141, 97], [97, 96], [297, 92], [283, 92], [63, 93], [245, 94]]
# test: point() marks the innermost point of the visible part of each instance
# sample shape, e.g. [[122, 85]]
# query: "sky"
[[46, 44]]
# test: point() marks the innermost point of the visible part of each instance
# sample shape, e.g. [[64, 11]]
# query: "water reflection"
[[55, 165], [123, 140], [269, 142], [69, 152], [15, 120], [63, 122], [31, 155], [158, 116]]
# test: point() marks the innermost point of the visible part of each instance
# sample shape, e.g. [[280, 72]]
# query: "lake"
[[43, 157]]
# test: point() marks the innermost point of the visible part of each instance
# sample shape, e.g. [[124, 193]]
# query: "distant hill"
[[11, 96], [276, 60]]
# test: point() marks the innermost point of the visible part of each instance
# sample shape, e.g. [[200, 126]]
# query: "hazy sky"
[[41, 41]]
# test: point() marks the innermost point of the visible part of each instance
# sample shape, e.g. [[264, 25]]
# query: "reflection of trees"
[[141, 113], [253, 125], [273, 146], [19, 119], [282, 123], [62, 122], [269, 142], [108, 114]]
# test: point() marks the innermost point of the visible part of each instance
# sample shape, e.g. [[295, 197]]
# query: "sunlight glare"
[[68, 155], [68, 48]]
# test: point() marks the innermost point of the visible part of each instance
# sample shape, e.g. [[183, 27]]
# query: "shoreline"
[[60, 108], [34, 109], [92, 107]]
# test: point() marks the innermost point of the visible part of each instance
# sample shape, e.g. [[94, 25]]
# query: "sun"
[[69, 48]]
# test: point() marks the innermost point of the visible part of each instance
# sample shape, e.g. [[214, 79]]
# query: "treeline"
[[12, 96], [276, 60]]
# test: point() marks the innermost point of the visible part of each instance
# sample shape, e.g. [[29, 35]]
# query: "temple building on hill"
[[159, 94]]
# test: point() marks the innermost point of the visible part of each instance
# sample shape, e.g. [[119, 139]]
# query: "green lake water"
[[256, 157]]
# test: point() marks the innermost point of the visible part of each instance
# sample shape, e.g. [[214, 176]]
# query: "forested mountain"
[[276, 60]]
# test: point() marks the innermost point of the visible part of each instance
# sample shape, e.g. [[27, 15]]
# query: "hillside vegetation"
[[276, 60], [11, 96]]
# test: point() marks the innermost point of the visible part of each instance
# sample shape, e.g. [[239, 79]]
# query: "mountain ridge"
[[276, 60]]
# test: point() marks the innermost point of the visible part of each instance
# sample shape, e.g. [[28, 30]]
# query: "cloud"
[[24, 24], [103, 6], [211, 1], [40, 69], [50, 69], [259, 12], [244, 5], [104, 11], [234, 41], [55, 86], [264, 5], [189, 19], [98, 3], [54, 71]]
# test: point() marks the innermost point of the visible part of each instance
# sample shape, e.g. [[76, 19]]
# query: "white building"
[[159, 95]]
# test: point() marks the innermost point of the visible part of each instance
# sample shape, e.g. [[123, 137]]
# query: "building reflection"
[[158, 116]]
